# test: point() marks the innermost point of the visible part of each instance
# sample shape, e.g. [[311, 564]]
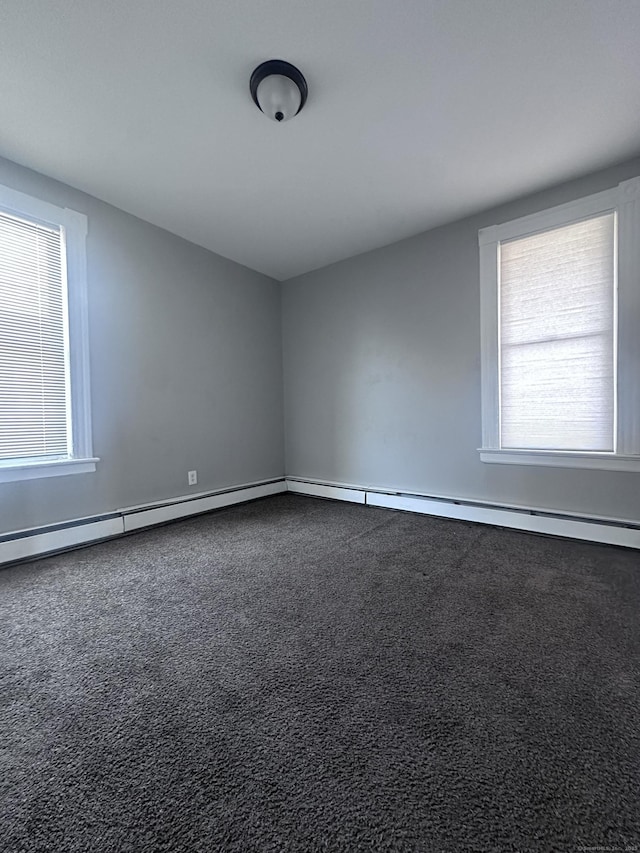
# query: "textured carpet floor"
[[300, 675]]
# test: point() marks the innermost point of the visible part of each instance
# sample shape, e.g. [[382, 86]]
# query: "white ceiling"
[[419, 112]]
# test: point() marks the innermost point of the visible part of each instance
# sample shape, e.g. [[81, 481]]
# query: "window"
[[560, 297], [45, 425]]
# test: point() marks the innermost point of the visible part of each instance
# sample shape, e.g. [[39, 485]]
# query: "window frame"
[[74, 225], [624, 200]]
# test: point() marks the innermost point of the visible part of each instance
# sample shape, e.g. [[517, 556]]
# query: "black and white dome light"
[[278, 89]]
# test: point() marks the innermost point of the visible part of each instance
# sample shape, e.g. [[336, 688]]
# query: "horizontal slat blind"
[[33, 364], [557, 364]]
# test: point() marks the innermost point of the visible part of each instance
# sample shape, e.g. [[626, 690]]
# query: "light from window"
[[34, 369], [45, 412], [557, 365], [560, 313]]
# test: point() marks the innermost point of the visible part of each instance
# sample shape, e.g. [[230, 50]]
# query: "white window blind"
[[35, 406], [556, 338]]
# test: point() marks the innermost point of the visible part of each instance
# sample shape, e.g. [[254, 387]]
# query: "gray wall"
[[382, 373], [381, 369], [186, 369]]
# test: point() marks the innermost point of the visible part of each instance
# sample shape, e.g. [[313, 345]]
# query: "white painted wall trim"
[[33, 544], [625, 201], [11, 472], [563, 459], [550, 525], [26, 544], [275, 481], [382, 490], [610, 531], [322, 490], [140, 517]]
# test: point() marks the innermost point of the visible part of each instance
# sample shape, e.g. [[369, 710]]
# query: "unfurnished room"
[[319, 426]]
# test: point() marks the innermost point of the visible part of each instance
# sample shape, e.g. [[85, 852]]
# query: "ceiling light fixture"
[[278, 89]]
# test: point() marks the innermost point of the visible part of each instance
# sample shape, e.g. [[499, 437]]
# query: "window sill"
[[11, 472], [562, 459]]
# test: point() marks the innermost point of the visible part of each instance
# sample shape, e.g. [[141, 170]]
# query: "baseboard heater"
[[610, 531], [35, 542]]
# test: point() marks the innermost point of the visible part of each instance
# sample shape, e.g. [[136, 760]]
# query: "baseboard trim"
[[571, 526], [139, 517], [320, 490], [28, 544]]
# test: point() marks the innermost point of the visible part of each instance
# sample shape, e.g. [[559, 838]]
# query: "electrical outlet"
[[193, 478]]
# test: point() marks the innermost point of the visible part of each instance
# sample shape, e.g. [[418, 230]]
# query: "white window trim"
[[75, 233], [12, 471], [625, 200]]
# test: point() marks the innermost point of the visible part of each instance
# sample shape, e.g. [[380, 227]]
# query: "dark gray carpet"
[[300, 675]]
